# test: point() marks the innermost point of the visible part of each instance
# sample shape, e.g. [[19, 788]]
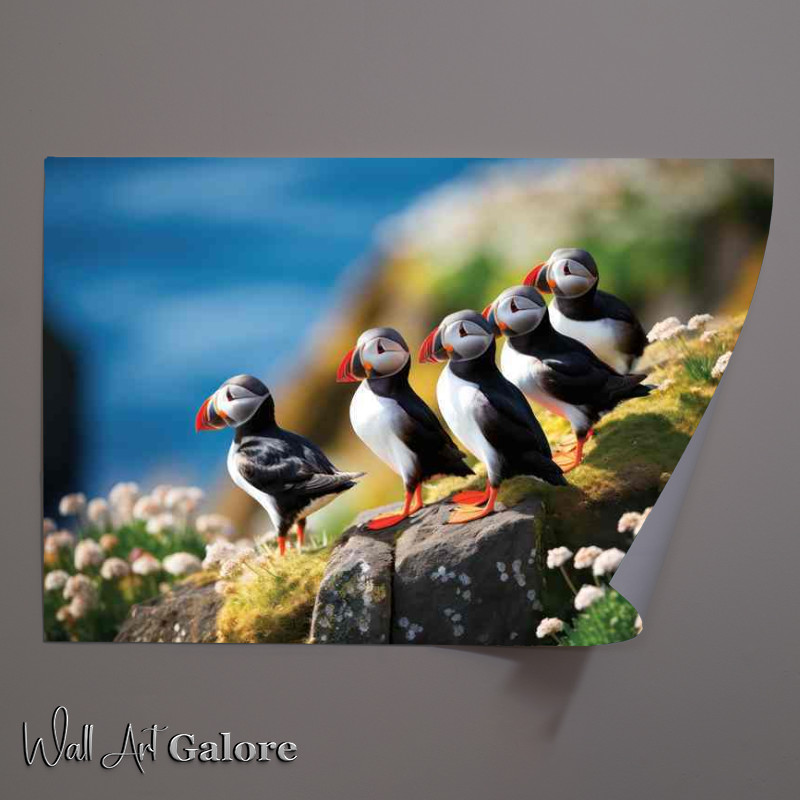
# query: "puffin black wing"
[[290, 466], [583, 380], [611, 307], [435, 449], [510, 427]]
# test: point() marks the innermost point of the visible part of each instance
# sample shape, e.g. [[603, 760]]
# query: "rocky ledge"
[[188, 614], [428, 582]]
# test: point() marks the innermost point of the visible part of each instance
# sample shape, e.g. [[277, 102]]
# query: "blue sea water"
[[166, 276]]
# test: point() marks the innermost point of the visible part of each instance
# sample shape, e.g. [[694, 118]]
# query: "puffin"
[[606, 325], [555, 371], [289, 476], [485, 410], [394, 421]]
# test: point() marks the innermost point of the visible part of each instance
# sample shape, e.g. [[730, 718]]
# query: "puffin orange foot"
[[471, 497], [382, 521], [468, 513], [568, 460]]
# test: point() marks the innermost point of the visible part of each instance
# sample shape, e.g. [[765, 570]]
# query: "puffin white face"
[[569, 278], [465, 340], [233, 404], [383, 357], [379, 353], [517, 314]]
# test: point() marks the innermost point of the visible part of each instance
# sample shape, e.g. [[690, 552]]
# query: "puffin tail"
[[626, 387]]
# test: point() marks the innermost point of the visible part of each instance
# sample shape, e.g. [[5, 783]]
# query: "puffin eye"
[[229, 395], [381, 349], [462, 331], [513, 306], [566, 269]]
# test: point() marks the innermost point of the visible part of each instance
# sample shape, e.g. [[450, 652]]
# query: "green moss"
[[609, 619], [274, 604]]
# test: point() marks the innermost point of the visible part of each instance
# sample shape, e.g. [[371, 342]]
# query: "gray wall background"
[[707, 699]]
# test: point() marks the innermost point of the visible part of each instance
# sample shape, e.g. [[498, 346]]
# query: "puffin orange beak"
[[533, 278], [431, 349], [490, 317], [351, 370], [208, 419], [345, 372]]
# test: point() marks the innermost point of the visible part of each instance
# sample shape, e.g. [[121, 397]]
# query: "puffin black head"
[[459, 337], [233, 404], [379, 353], [569, 272], [517, 310]]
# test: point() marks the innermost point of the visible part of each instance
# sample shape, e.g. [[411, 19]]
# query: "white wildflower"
[[54, 581], [146, 564], [218, 551], [549, 626], [78, 585], [72, 505], [63, 615], [223, 587], [88, 553], [146, 507], [214, 525], [558, 556], [587, 595], [607, 562], [80, 606], [161, 523], [233, 565], [629, 522], [182, 564], [159, 493], [665, 384], [48, 526], [123, 493], [195, 493], [60, 540], [644, 515], [637, 624], [108, 542], [585, 556], [699, 321], [706, 337], [721, 365], [98, 513], [174, 496], [667, 329], [114, 568]]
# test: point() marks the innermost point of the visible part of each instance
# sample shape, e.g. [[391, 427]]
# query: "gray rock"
[[187, 614], [353, 604], [426, 582], [472, 584]]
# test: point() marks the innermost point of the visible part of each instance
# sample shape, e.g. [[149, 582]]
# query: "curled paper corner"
[[637, 574]]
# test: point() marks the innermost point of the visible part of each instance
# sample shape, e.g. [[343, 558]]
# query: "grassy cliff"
[[627, 464]]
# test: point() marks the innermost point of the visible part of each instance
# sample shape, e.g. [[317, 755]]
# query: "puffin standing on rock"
[[289, 476], [557, 372], [485, 411], [394, 422], [606, 325]]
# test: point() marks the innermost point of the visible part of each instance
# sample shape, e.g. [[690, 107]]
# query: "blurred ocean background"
[[164, 277]]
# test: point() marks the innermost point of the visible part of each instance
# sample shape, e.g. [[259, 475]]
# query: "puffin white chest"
[[266, 501], [458, 400], [601, 336], [377, 421], [522, 371]]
